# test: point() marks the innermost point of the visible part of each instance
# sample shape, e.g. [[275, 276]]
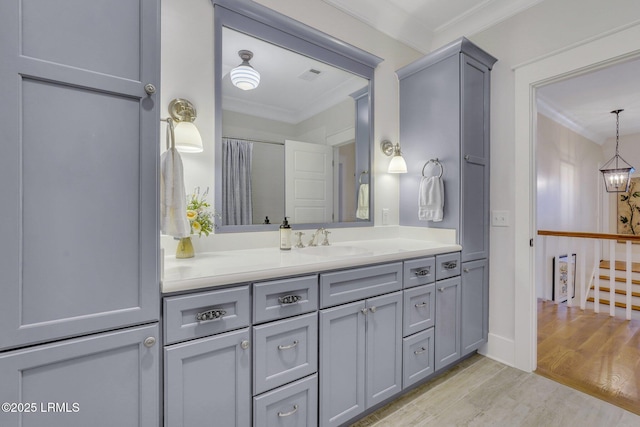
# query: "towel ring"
[[435, 162], [360, 177]]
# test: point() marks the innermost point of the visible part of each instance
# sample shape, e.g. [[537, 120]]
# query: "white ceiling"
[[581, 103]]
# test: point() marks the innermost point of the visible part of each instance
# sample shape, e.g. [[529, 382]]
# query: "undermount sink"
[[334, 251]]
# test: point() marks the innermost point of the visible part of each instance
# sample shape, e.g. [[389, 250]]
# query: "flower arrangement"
[[200, 218]]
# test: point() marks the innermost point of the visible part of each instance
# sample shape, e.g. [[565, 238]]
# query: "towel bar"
[[436, 162]]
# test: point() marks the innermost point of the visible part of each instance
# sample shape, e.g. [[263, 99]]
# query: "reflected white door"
[[308, 182]]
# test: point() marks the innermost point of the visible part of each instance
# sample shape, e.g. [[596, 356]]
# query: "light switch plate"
[[500, 218], [385, 216]]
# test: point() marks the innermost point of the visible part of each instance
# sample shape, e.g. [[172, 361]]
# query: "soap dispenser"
[[285, 235]]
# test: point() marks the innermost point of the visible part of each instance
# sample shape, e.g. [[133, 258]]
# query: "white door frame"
[[597, 52]]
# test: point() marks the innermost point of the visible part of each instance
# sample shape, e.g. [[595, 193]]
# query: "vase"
[[185, 248]]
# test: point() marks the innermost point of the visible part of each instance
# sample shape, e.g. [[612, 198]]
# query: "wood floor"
[[593, 353], [482, 392]]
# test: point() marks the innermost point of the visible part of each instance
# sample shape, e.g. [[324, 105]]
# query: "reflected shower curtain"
[[236, 181]]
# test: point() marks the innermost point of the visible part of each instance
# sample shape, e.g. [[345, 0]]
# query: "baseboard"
[[500, 349]]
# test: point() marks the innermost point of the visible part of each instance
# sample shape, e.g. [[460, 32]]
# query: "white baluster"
[[556, 274], [629, 270], [612, 277], [596, 277], [545, 268], [583, 262], [570, 272]]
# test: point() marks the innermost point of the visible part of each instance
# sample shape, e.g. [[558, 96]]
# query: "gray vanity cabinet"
[[475, 316], [209, 381], [447, 329], [102, 380], [360, 356]]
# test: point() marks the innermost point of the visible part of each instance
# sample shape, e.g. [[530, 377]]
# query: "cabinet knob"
[[373, 309], [441, 289], [150, 89], [149, 342], [364, 310], [466, 270], [244, 344]]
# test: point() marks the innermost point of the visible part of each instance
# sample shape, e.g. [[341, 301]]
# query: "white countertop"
[[248, 265]]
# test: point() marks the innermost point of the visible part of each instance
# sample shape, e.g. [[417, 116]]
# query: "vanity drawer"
[[295, 404], [417, 357], [447, 265], [284, 298], [419, 309], [205, 313], [284, 351], [419, 272], [359, 283]]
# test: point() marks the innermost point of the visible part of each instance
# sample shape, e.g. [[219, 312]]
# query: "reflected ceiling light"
[[397, 163], [617, 172], [185, 134], [244, 76]]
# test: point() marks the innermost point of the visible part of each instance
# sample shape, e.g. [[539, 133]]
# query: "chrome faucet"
[[314, 236], [326, 233]]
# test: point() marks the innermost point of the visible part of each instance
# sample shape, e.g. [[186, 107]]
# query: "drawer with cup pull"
[[447, 265], [206, 313], [294, 404], [284, 351], [419, 309], [277, 299], [417, 357], [419, 272]]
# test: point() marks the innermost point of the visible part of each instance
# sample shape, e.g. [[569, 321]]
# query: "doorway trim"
[[607, 49]]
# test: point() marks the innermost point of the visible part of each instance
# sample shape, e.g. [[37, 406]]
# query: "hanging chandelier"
[[617, 172], [244, 76]]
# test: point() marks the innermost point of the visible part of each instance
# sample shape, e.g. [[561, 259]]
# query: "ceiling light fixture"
[[244, 76], [617, 172]]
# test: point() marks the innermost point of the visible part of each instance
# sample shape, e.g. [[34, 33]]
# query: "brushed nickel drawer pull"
[[451, 265], [287, 347], [422, 304], [423, 272], [289, 299], [213, 314], [422, 350], [286, 414]]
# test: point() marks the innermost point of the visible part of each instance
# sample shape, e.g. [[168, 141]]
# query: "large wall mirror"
[[299, 143]]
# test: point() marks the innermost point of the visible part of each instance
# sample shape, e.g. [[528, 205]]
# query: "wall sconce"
[[244, 76], [184, 133], [617, 172], [397, 163]]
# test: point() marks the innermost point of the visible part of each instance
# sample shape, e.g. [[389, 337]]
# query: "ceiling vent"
[[310, 75]]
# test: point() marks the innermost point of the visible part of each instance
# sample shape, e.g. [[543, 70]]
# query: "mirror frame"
[[261, 22]]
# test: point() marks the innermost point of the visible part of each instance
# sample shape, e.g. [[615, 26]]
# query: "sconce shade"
[[244, 76], [397, 163], [188, 139], [617, 172], [184, 133]]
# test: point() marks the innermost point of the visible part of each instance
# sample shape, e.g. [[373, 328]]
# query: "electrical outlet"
[[500, 218], [385, 216]]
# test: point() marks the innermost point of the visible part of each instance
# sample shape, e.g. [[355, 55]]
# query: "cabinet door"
[[475, 305], [474, 130], [78, 170], [447, 329], [384, 347], [342, 363], [208, 379], [103, 380]]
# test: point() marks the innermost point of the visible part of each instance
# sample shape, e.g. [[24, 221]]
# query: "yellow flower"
[[191, 215], [196, 226]]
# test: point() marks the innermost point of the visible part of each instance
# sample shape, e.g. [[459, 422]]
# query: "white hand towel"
[[363, 202], [431, 199], [173, 199]]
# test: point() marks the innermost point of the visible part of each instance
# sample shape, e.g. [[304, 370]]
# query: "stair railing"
[[566, 244]]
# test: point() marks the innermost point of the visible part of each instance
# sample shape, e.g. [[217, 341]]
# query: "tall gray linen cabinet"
[[444, 115]]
